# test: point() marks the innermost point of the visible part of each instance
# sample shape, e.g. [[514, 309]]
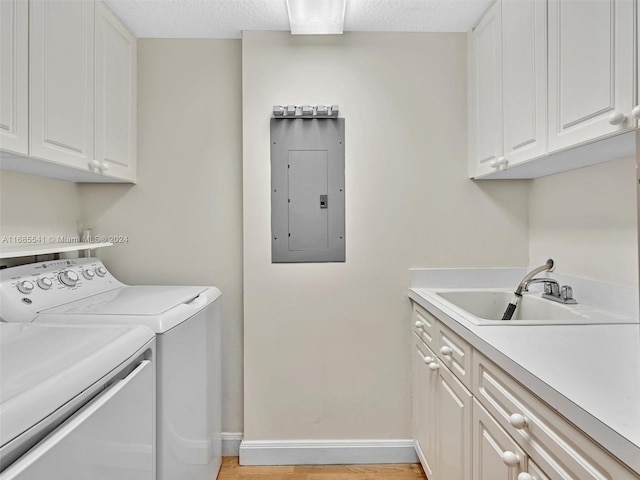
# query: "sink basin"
[[486, 307]]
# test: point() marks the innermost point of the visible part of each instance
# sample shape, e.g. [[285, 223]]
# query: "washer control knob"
[[88, 274], [101, 271], [69, 278], [45, 283], [25, 286]]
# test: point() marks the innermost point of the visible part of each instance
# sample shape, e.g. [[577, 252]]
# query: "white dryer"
[[186, 320]]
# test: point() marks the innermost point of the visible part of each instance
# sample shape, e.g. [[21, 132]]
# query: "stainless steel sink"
[[486, 307]]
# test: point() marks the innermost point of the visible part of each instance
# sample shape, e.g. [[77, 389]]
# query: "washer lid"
[[130, 301], [42, 367]]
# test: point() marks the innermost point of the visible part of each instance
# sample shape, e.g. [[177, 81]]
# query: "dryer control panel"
[[26, 290]]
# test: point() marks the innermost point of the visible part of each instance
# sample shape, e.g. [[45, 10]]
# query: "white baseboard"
[[231, 444], [326, 452]]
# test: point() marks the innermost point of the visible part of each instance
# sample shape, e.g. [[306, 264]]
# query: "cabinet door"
[[486, 94], [495, 455], [61, 81], [453, 428], [14, 70], [424, 416], [590, 70], [534, 471], [115, 90], [524, 54]]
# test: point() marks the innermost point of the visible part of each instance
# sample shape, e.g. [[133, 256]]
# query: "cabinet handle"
[[617, 118], [510, 459], [526, 476], [433, 366], [419, 324], [497, 162], [446, 351], [94, 163], [635, 113], [104, 166], [518, 421], [428, 360]]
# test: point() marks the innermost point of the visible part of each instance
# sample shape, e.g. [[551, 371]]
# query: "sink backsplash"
[[614, 298]]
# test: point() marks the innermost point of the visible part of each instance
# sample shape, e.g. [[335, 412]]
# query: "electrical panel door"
[[307, 190]]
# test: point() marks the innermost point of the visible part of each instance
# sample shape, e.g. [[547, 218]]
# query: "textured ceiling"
[[227, 18]]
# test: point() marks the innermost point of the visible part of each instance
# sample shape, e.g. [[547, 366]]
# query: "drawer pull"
[[510, 459], [446, 351], [428, 359], [433, 366], [518, 421], [526, 476], [419, 324], [617, 118]]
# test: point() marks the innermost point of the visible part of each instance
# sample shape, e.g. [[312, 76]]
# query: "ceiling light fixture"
[[316, 17]]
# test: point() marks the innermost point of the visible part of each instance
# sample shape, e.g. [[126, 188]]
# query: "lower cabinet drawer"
[[560, 450], [455, 353], [424, 325]]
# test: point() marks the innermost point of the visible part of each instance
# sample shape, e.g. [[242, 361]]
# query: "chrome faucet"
[[553, 291], [517, 295], [528, 278]]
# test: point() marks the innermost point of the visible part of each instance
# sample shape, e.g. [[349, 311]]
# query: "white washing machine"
[[76, 402], [186, 321]]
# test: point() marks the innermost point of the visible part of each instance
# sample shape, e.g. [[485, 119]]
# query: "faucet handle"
[[566, 292], [551, 288]]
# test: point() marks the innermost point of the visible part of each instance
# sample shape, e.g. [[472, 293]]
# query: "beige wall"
[[586, 220], [31, 205], [184, 217], [326, 345]]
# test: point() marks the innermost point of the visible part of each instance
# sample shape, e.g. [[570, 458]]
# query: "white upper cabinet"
[[14, 71], [524, 56], [568, 86], [590, 70], [67, 91], [115, 113], [486, 136], [61, 81]]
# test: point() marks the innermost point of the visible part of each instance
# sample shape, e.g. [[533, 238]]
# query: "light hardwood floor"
[[232, 471]]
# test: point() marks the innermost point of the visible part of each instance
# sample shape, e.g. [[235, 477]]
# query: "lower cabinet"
[[496, 429], [442, 418]]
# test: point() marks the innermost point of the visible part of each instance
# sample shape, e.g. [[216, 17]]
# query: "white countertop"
[[589, 373]]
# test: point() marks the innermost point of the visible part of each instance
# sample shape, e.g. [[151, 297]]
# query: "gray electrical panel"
[[307, 190]]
